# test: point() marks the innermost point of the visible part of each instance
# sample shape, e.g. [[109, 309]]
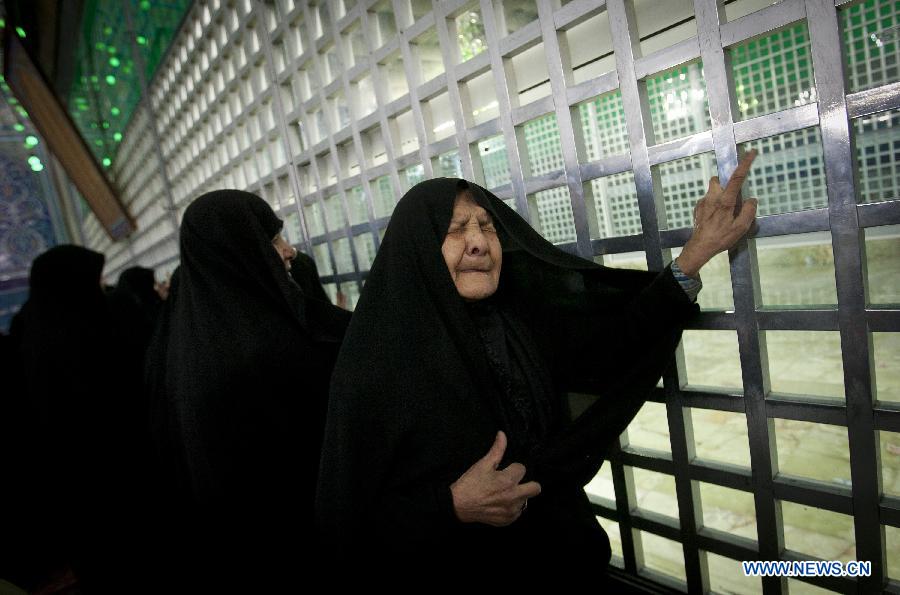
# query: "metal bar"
[[713, 35], [850, 277]]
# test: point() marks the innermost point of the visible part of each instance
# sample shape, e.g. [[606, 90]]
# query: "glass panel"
[[655, 492], [663, 555], [323, 260], [420, 8], [678, 103], [449, 165], [365, 250], [384, 196], [542, 145], [788, 175], [877, 140], [817, 532], [816, 451], [650, 428], [870, 43], [729, 510], [773, 72], [334, 212], [796, 270], [314, 222], [615, 206], [590, 48], [332, 64], [721, 436], [716, 294], [739, 8], [427, 52], [711, 358], [603, 127], [892, 544], [551, 215], [883, 264], [292, 228], [516, 14], [381, 22], [806, 363], [470, 33], [684, 182], [626, 260], [727, 576], [355, 44], [357, 202], [531, 80], [343, 257], [887, 366], [341, 111], [602, 484], [482, 98], [412, 176], [406, 133], [492, 152], [615, 540], [890, 463], [442, 124], [394, 77], [658, 29], [366, 101]]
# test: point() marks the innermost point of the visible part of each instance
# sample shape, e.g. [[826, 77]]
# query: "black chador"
[[425, 380], [238, 372]]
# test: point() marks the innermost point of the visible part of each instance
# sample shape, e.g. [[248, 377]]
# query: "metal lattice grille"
[[778, 435]]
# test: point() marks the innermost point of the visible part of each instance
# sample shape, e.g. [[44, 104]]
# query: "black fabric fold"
[[238, 372]]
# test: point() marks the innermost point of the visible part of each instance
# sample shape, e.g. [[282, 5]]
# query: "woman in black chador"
[[238, 372], [448, 435]]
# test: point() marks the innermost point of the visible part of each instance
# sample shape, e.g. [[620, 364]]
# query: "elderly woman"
[[448, 434], [239, 436]]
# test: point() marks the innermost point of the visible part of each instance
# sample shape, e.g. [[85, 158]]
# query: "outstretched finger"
[[739, 176], [495, 454], [528, 489], [714, 186]]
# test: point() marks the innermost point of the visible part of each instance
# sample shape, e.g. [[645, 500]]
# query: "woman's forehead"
[[465, 206]]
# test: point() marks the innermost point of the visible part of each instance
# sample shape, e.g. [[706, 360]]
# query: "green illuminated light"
[[18, 128], [31, 141], [107, 162], [115, 111], [117, 137], [22, 111], [111, 49], [145, 4], [98, 142], [142, 40], [100, 46], [105, 125], [107, 30], [110, 79], [2, 23], [37, 167], [21, 32], [114, 62]]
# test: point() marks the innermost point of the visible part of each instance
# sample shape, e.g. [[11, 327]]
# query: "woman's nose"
[[476, 243]]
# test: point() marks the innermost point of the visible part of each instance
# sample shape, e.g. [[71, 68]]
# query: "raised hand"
[[484, 494], [718, 223]]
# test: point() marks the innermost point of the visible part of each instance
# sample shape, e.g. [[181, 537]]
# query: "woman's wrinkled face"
[[285, 251], [472, 250]]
